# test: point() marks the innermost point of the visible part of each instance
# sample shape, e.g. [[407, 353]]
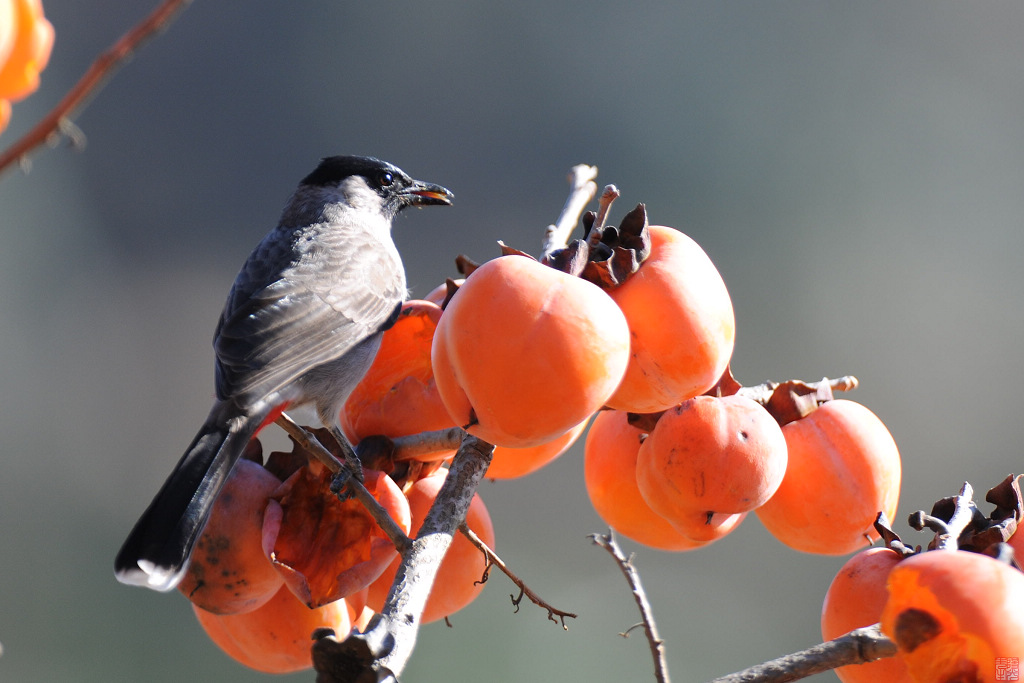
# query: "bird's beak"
[[427, 194]]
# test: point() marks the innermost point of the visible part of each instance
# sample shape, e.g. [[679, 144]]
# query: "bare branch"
[[582, 190], [524, 590], [58, 121], [608, 542], [388, 641], [860, 646]]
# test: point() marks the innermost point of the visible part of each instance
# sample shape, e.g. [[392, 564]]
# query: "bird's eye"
[[385, 179]]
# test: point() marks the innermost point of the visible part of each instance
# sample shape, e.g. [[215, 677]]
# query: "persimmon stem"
[[608, 197], [355, 487], [59, 119], [859, 646], [524, 590], [418, 446], [608, 542], [582, 189], [762, 392]]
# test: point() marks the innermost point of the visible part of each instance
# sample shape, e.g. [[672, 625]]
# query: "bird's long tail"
[[156, 552]]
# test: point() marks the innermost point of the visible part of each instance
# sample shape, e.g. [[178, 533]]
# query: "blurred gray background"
[[854, 169]]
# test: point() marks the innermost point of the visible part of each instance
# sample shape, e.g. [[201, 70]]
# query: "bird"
[[301, 325]]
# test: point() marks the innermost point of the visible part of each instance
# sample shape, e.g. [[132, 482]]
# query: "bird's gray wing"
[[303, 298]]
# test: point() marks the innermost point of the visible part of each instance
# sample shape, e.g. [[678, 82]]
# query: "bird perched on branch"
[[302, 323]]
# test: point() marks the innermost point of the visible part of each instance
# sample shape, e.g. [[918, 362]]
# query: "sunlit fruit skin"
[[26, 39], [276, 637], [609, 469], [844, 468], [512, 463], [397, 396], [681, 322], [708, 459], [229, 573], [952, 613], [855, 599], [523, 352], [458, 580]]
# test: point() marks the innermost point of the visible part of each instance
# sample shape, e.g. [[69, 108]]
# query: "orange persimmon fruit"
[[952, 613], [26, 39], [524, 352], [681, 324], [855, 599], [397, 396], [709, 459], [276, 637], [609, 470], [511, 463], [459, 577], [844, 468], [229, 572]]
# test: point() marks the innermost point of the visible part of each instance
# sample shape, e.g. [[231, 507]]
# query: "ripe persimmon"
[[844, 468], [510, 463], [459, 577], [709, 459], [229, 572], [855, 599], [524, 352], [952, 613], [609, 469], [276, 637], [397, 396], [681, 324], [325, 548], [26, 39]]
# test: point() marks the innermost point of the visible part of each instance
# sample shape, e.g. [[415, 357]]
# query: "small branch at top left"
[[58, 122]]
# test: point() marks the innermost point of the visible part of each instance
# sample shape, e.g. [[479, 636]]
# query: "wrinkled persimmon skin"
[[524, 353], [397, 395], [681, 322], [275, 638], [324, 548], [512, 463], [459, 577], [709, 459], [229, 573], [844, 468], [609, 469], [973, 609], [854, 600]]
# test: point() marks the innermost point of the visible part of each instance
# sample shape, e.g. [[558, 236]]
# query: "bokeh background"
[[854, 169]]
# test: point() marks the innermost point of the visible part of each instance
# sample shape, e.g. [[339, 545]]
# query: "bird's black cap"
[[388, 180]]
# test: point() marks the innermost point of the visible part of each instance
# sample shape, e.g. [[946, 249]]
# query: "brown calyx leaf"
[[795, 399], [606, 255], [465, 265]]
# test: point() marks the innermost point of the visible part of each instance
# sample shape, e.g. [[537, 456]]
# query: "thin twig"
[[608, 542], [582, 189], [860, 646], [313, 446], [418, 446], [59, 120], [608, 197], [524, 590]]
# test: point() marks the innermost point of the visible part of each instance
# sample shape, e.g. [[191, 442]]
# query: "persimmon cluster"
[[953, 609], [631, 327]]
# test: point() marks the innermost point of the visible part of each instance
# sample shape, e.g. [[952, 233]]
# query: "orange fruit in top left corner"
[[26, 38]]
